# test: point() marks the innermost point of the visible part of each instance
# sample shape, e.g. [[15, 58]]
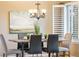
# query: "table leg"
[[22, 49]]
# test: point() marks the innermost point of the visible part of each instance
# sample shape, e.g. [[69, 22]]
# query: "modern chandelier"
[[37, 13]]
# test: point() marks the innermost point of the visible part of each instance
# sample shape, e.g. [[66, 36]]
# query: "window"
[[65, 19], [71, 17]]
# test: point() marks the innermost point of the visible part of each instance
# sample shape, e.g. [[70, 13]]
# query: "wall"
[[6, 7]]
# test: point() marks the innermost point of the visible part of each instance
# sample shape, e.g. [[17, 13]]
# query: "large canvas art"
[[20, 22]]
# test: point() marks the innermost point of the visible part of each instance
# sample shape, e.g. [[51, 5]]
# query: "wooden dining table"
[[28, 41]]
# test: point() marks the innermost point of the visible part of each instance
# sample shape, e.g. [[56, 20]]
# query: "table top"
[[27, 40], [20, 40]]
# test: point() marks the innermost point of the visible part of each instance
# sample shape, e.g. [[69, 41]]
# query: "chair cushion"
[[13, 51], [63, 49]]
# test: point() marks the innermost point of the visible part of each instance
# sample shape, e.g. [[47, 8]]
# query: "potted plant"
[[37, 29]]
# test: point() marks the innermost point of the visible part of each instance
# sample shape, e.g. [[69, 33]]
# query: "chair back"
[[20, 35], [3, 43], [68, 38], [35, 44], [52, 43]]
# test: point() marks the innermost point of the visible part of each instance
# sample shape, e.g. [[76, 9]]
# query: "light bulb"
[[43, 10]]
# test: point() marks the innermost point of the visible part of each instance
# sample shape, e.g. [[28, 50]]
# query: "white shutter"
[[75, 22], [72, 19], [58, 20]]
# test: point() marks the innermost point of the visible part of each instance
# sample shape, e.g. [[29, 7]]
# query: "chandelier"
[[37, 13]]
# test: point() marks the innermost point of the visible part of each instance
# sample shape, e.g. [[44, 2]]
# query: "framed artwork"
[[20, 22]]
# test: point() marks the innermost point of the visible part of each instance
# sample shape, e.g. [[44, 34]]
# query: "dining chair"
[[21, 37], [7, 51], [35, 45], [66, 44], [52, 44]]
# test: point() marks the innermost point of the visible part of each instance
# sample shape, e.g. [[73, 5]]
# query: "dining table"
[[28, 41]]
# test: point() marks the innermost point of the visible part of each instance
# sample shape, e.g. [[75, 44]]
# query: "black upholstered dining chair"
[[52, 44], [35, 44]]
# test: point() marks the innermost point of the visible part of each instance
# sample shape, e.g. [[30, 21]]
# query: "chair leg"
[[17, 55], [63, 53], [69, 53], [57, 54], [49, 54], [4, 55]]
